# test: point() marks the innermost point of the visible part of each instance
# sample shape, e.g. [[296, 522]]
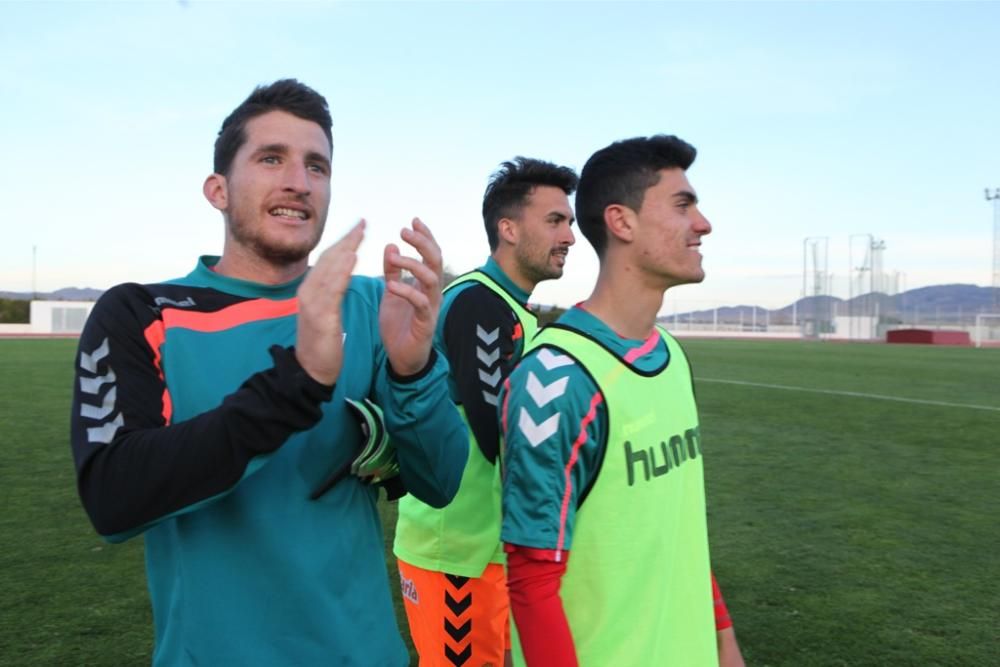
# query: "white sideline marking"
[[852, 393]]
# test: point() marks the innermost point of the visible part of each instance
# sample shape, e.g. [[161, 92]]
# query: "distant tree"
[[548, 314], [15, 311], [447, 275]]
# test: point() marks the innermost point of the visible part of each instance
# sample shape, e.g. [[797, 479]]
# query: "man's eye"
[[318, 168], [269, 159]]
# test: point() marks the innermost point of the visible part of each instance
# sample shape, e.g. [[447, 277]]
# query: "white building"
[[52, 318]]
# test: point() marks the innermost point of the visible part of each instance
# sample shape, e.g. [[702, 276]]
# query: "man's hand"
[[319, 345], [408, 314]]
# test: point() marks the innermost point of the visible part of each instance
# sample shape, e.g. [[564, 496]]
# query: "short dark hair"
[[620, 174], [287, 95], [511, 185]]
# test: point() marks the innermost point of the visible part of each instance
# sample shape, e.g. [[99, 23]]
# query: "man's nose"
[[296, 178], [568, 237], [702, 225]]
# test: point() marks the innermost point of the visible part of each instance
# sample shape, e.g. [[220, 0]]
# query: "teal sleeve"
[[431, 441], [554, 425]]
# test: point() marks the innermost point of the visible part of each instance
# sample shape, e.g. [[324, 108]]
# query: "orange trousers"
[[457, 620]]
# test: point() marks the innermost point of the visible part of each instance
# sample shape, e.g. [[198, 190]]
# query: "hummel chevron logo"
[[551, 360], [456, 580], [458, 659], [457, 607], [543, 394], [488, 337], [536, 433], [458, 633], [88, 362], [102, 411], [104, 434], [492, 379], [93, 385], [488, 359]]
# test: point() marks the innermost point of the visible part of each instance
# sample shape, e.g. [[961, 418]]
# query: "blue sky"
[[811, 120]]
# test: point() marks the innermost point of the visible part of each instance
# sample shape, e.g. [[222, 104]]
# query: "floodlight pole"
[[814, 242], [878, 278], [995, 198], [865, 264], [852, 309]]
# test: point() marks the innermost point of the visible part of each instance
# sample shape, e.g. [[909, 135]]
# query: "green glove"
[[376, 462]]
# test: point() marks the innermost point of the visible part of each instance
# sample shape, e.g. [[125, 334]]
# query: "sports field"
[[854, 496]]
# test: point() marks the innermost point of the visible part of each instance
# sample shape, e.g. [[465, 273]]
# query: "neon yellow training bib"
[[637, 588], [463, 537]]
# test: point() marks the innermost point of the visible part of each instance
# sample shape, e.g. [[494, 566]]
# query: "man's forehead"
[[674, 181], [547, 195], [544, 201], [280, 128]]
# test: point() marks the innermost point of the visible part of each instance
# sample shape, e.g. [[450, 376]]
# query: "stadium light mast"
[[864, 268], [878, 277], [814, 248], [995, 198], [853, 310]]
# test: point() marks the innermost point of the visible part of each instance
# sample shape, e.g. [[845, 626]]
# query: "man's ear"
[[216, 191], [507, 230], [620, 221]]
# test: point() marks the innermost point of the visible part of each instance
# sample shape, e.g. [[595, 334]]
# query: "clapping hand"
[[319, 345], [408, 313]]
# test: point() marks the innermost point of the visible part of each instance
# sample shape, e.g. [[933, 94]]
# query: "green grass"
[[849, 530], [845, 530], [68, 598]]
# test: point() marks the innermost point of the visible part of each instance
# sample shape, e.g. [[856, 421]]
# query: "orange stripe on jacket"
[[155, 335], [230, 317]]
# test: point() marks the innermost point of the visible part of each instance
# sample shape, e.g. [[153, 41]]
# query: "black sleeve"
[[478, 337], [132, 467]]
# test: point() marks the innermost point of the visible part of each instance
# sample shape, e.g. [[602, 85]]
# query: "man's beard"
[[269, 251], [538, 271]]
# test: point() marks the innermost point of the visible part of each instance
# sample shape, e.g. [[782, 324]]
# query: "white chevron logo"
[[492, 379], [488, 359], [88, 362], [93, 385], [490, 398], [536, 433], [542, 394], [488, 337], [102, 411], [107, 432], [551, 360]]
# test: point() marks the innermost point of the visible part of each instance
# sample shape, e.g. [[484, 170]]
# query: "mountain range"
[[941, 303], [956, 302], [64, 294]]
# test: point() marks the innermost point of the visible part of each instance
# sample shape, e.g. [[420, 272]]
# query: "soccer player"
[[209, 410], [604, 504], [450, 559]]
